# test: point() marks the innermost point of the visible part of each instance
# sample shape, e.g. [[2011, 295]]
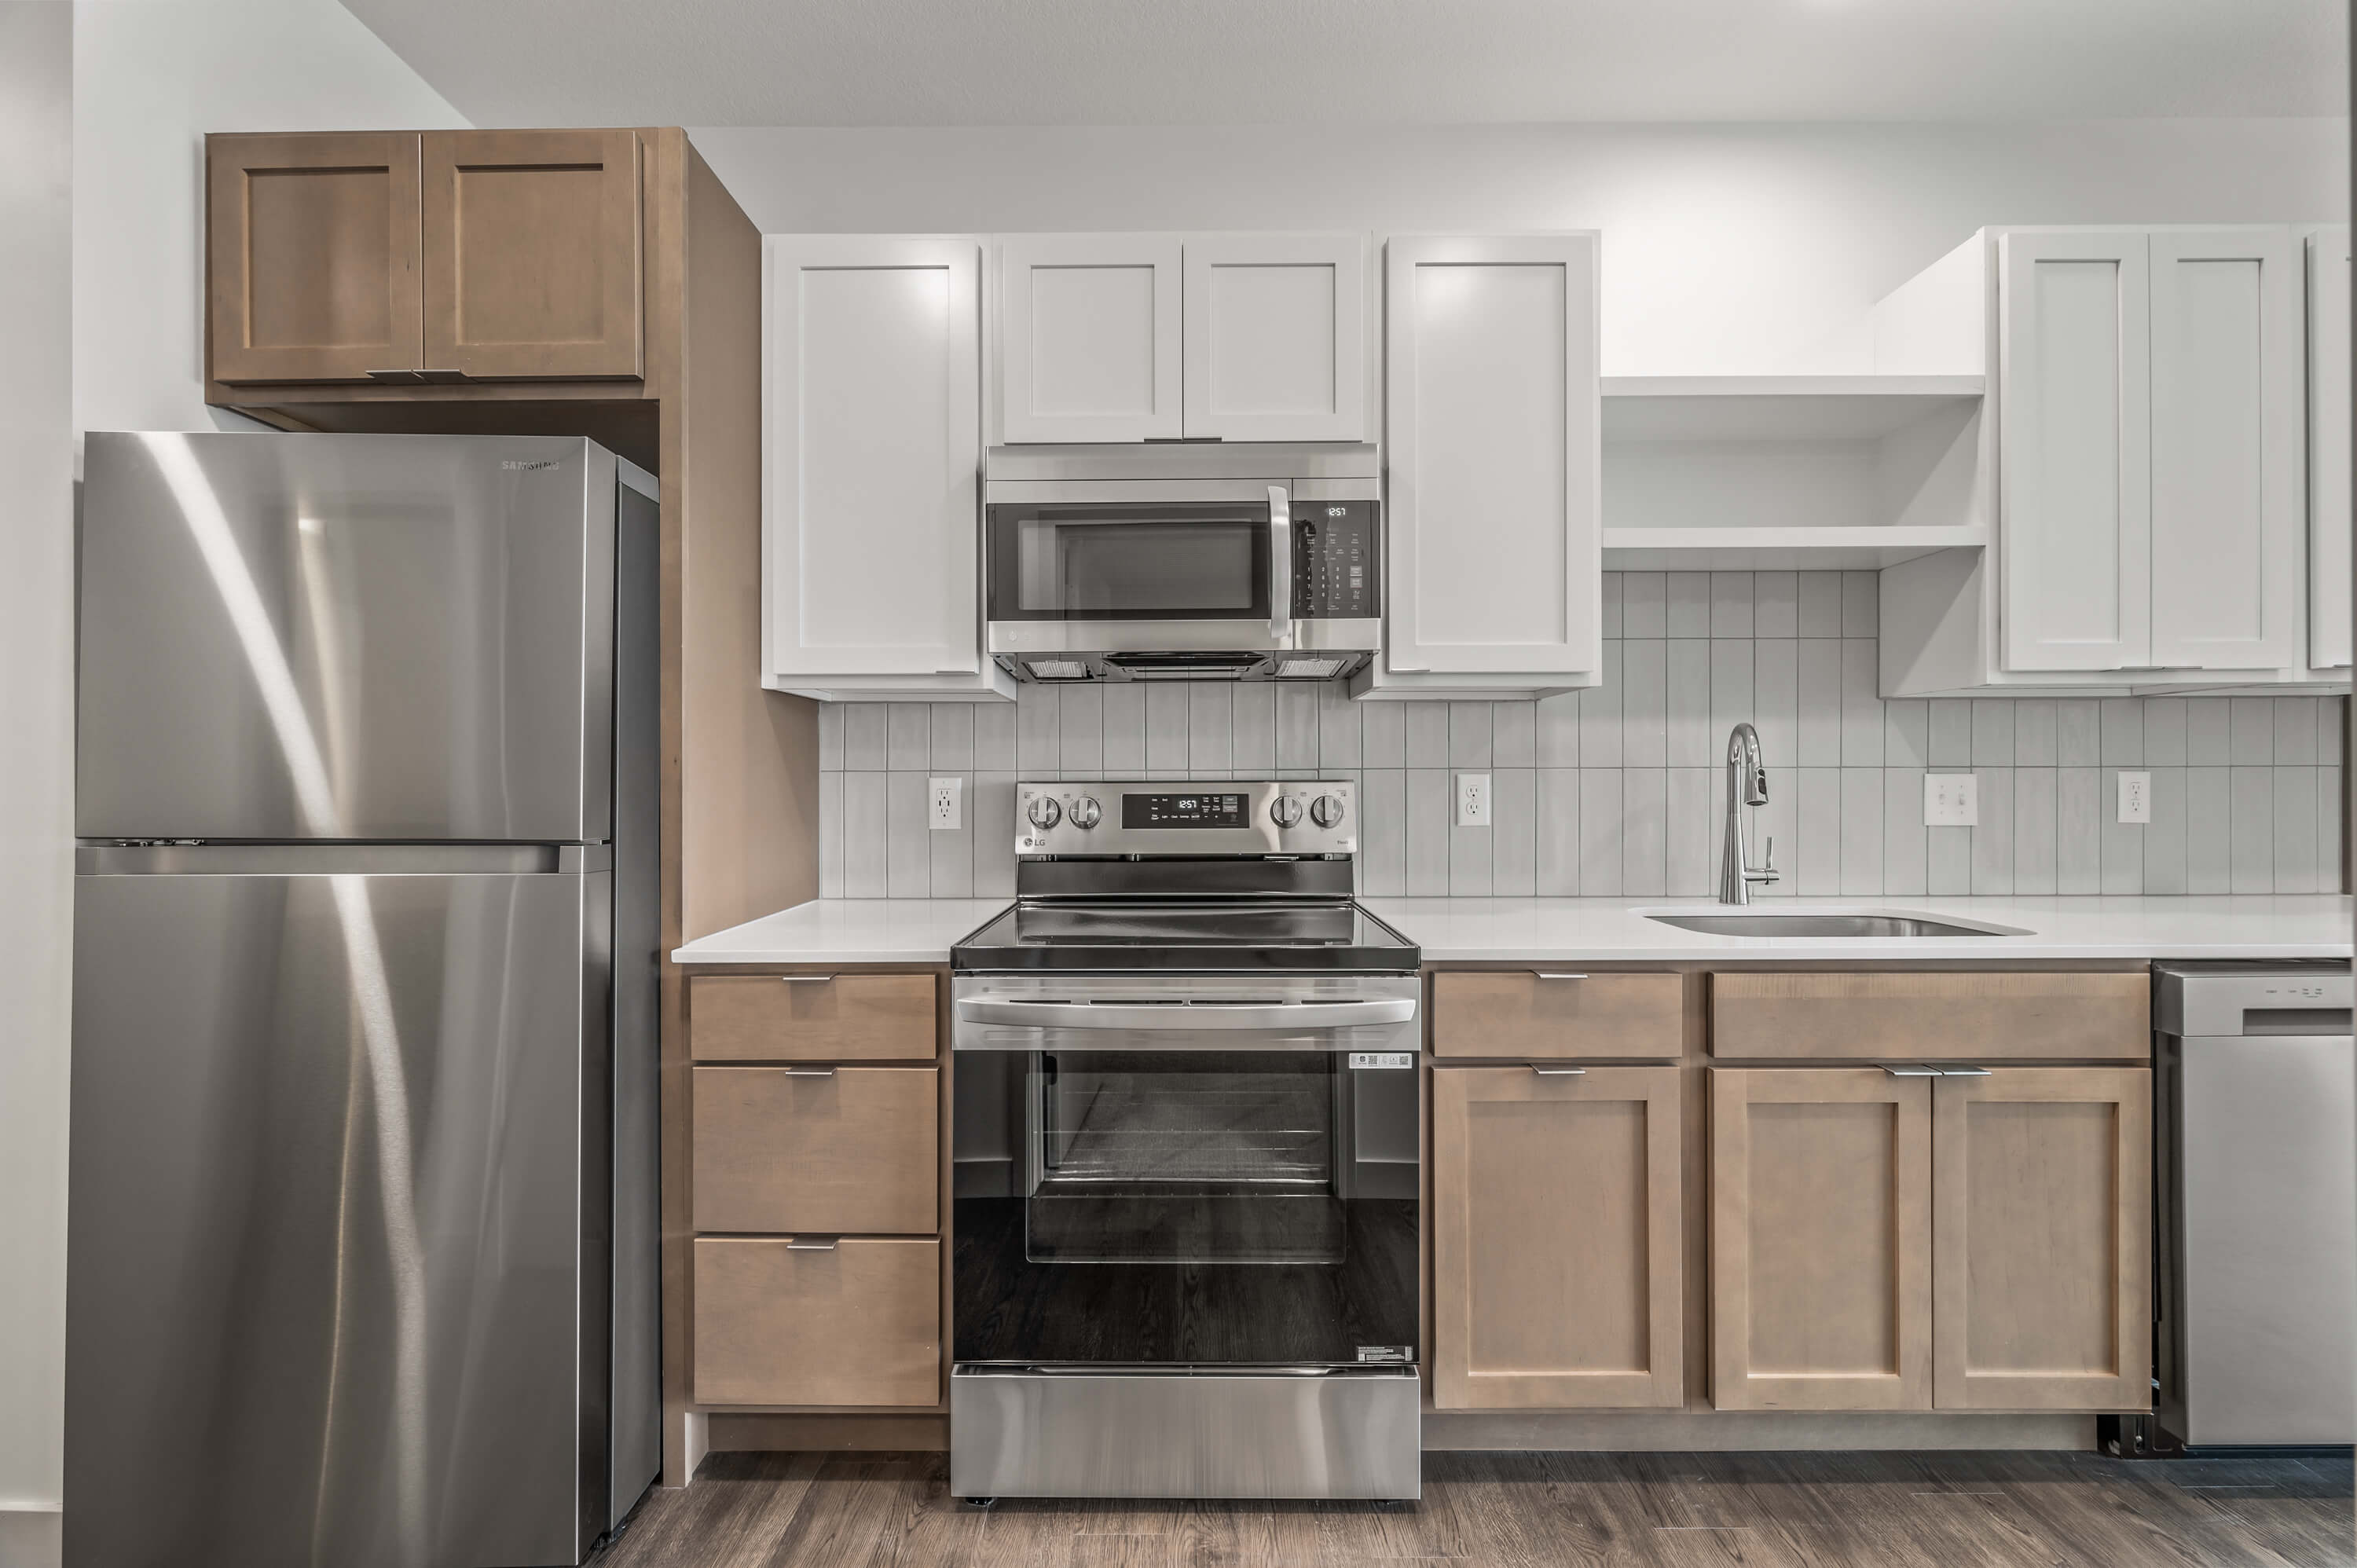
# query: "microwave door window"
[[1149, 568]]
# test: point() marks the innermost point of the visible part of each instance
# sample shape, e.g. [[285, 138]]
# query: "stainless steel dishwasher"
[[2255, 1161]]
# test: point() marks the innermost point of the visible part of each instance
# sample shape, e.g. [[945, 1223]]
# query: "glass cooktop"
[[1135, 934]]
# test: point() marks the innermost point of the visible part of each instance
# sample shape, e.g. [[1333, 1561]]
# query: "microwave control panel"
[[1334, 571]]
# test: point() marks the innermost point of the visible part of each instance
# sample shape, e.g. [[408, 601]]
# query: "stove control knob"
[[1086, 812], [1326, 811], [1284, 811], [1045, 814]]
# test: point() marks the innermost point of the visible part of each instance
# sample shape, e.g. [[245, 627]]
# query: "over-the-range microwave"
[[1183, 562]]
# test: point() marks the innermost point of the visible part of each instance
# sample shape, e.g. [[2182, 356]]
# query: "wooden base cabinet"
[[1557, 1274], [2042, 1240], [1821, 1240], [855, 1321], [1976, 1240]]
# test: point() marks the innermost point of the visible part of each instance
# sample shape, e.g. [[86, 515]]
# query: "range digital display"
[[1195, 810]]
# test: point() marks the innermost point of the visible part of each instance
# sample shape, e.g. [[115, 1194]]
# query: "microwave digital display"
[[1194, 809]]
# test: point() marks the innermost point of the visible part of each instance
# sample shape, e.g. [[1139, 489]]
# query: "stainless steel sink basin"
[[1735, 923]]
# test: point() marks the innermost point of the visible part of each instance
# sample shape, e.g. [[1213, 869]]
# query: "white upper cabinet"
[[2151, 448], [2076, 416], [2328, 414], [871, 385], [2228, 527], [1117, 337], [1275, 333], [1089, 345], [1492, 415]]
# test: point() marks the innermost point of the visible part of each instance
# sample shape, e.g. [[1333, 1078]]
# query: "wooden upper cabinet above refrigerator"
[[312, 256], [530, 254], [1122, 337], [408, 258]]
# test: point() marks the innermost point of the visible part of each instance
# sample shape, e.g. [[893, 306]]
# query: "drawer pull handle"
[[1549, 974], [805, 979], [1909, 1069], [810, 1072], [1558, 1071], [797, 1245]]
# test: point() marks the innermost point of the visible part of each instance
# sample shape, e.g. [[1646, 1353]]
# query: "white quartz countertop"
[[1556, 930]]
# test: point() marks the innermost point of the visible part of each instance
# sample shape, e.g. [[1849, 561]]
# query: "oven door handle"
[[1192, 1015]]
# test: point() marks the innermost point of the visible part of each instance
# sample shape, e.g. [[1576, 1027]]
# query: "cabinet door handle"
[[797, 1245], [1950, 1069], [805, 979], [1558, 1071], [810, 1072], [407, 376], [1555, 974], [1909, 1069]]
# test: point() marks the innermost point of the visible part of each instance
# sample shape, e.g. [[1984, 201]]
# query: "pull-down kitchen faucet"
[[1746, 784]]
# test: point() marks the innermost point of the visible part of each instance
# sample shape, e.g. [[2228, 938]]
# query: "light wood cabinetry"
[[2329, 422], [1276, 336], [1492, 417], [1553, 1014], [1557, 1274], [407, 258], [1089, 341], [831, 1150], [790, 1321], [530, 254], [311, 248], [1939, 1016], [2042, 1239], [842, 1017], [1821, 1240], [872, 444]]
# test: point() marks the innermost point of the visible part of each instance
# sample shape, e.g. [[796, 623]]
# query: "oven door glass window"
[[1140, 1157], [1130, 562]]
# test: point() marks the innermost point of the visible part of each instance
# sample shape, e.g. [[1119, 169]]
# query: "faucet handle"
[[1766, 871]]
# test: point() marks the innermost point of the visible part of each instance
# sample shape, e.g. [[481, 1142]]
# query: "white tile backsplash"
[[1616, 790]]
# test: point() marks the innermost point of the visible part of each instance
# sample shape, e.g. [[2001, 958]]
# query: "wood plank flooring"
[[1524, 1511]]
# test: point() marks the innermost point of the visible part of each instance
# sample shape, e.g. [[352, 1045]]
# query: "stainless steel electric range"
[[1187, 1156]]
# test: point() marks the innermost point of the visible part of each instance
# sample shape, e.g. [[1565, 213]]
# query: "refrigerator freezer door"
[[337, 1290], [345, 637]]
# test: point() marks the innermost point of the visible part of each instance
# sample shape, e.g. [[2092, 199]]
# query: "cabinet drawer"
[[855, 1150], [857, 1322], [1943, 1017], [1523, 1013], [848, 1017]]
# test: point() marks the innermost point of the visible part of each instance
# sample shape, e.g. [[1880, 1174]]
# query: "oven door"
[[1157, 1170], [1154, 575]]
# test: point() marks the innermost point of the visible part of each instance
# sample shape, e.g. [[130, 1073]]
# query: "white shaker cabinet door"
[[1089, 345], [872, 447], [2075, 422], [1276, 336], [1492, 414], [2328, 415], [2228, 527]]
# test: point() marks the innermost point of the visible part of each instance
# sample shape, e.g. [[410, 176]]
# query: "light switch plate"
[[944, 804], [1472, 799], [2135, 797], [1951, 800]]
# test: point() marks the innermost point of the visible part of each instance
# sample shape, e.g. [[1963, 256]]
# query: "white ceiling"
[[1084, 62]]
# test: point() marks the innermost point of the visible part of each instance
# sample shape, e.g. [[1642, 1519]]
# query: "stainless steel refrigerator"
[[362, 1216]]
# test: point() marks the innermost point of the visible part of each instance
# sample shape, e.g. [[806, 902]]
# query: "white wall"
[[1728, 249], [36, 715], [151, 77], [104, 104]]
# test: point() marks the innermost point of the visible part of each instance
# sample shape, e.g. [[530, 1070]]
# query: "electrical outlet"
[[2135, 797], [944, 802], [1951, 800], [1472, 799]]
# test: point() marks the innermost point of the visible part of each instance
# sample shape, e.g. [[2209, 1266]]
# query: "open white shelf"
[[1777, 408], [1777, 549], [1790, 473]]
